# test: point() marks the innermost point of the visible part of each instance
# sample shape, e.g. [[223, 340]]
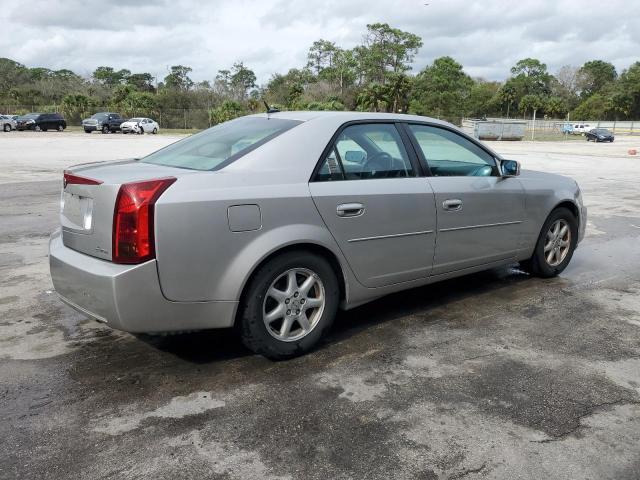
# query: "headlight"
[[30, 121]]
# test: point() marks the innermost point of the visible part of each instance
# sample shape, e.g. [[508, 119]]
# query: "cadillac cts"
[[270, 223]]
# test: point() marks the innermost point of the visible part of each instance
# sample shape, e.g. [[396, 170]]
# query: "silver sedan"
[[272, 222]]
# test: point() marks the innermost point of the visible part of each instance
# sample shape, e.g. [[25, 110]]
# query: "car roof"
[[343, 117]]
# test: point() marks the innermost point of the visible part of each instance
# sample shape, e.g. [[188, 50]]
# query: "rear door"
[[480, 213], [380, 213]]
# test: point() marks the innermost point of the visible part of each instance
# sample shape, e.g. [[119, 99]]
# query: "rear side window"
[[217, 147], [366, 151]]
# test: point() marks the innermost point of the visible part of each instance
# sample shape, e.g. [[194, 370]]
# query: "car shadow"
[[224, 344]]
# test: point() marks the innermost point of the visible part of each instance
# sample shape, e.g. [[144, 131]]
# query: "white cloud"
[[270, 36]]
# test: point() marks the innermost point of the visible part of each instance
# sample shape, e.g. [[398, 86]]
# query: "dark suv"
[[104, 121], [41, 121]]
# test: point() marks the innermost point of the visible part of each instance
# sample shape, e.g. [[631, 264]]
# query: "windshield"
[[30, 116], [99, 116], [134, 120], [602, 130], [217, 147]]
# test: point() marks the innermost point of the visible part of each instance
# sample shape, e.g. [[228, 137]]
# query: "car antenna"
[[270, 110]]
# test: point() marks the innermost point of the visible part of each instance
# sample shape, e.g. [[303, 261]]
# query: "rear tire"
[[553, 252], [281, 319]]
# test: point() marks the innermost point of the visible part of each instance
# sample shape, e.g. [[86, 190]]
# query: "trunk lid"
[[86, 212]]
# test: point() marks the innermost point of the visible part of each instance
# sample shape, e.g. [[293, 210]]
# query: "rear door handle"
[[452, 205], [350, 209]]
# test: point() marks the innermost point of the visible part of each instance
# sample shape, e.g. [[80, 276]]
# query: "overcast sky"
[[486, 36]]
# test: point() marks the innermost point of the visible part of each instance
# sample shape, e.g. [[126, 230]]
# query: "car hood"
[[551, 179]]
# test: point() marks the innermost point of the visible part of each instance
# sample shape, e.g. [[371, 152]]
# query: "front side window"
[[449, 154], [218, 146], [366, 151]]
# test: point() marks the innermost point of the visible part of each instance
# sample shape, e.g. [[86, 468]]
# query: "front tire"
[[38, 129], [60, 128], [556, 244], [289, 305], [155, 131], [105, 129], [7, 127]]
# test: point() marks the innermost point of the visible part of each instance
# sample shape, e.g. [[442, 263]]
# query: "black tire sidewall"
[[253, 331], [539, 264]]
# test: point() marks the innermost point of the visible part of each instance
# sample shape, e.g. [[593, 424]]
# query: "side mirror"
[[355, 156], [510, 168]]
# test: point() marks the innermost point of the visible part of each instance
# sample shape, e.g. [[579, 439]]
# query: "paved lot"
[[496, 375]]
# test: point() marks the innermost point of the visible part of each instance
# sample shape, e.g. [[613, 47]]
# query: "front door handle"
[[350, 210], [452, 205]]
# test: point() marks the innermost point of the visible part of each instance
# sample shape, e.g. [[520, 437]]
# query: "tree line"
[[373, 76]]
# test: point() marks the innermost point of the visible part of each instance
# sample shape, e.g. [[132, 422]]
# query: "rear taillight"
[[71, 179], [133, 238]]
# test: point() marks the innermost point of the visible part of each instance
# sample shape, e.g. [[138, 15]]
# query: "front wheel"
[[60, 128], [7, 127], [556, 244], [38, 129], [289, 305], [105, 129], [155, 130]]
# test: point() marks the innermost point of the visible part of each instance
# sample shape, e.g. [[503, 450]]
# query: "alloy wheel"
[[557, 243], [293, 304]]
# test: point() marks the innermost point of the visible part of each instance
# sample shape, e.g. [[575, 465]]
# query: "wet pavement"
[[494, 375]]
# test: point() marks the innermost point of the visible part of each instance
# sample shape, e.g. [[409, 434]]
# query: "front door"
[[480, 213], [380, 213]]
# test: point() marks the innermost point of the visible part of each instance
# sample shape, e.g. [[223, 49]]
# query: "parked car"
[[106, 122], [7, 123], [600, 135], [41, 122], [580, 128], [140, 125], [567, 128], [273, 222]]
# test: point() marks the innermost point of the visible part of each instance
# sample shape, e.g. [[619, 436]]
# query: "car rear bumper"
[[127, 297]]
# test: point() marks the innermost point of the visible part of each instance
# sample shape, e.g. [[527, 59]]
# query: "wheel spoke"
[[556, 229], [313, 303], [548, 246], [307, 285], [304, 322], [292, 282], [276, 294], [563, 231], [550, 256], [564, 243], [285, 328], [275, 314]]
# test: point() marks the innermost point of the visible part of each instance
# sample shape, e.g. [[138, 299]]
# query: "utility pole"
[[533, 130]]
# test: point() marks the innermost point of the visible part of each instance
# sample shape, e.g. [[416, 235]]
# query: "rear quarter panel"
[[201, 259]]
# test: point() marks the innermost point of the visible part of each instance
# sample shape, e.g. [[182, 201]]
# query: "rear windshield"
[[217, 147]]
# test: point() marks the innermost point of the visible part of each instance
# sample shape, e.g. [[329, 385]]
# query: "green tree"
[[529, 103], [386, 49], [531, 77], [555, 107], [594, 75], [110, 77], [179, 79], [225, 112], [596, 107], [442, 90], [141, 81]]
